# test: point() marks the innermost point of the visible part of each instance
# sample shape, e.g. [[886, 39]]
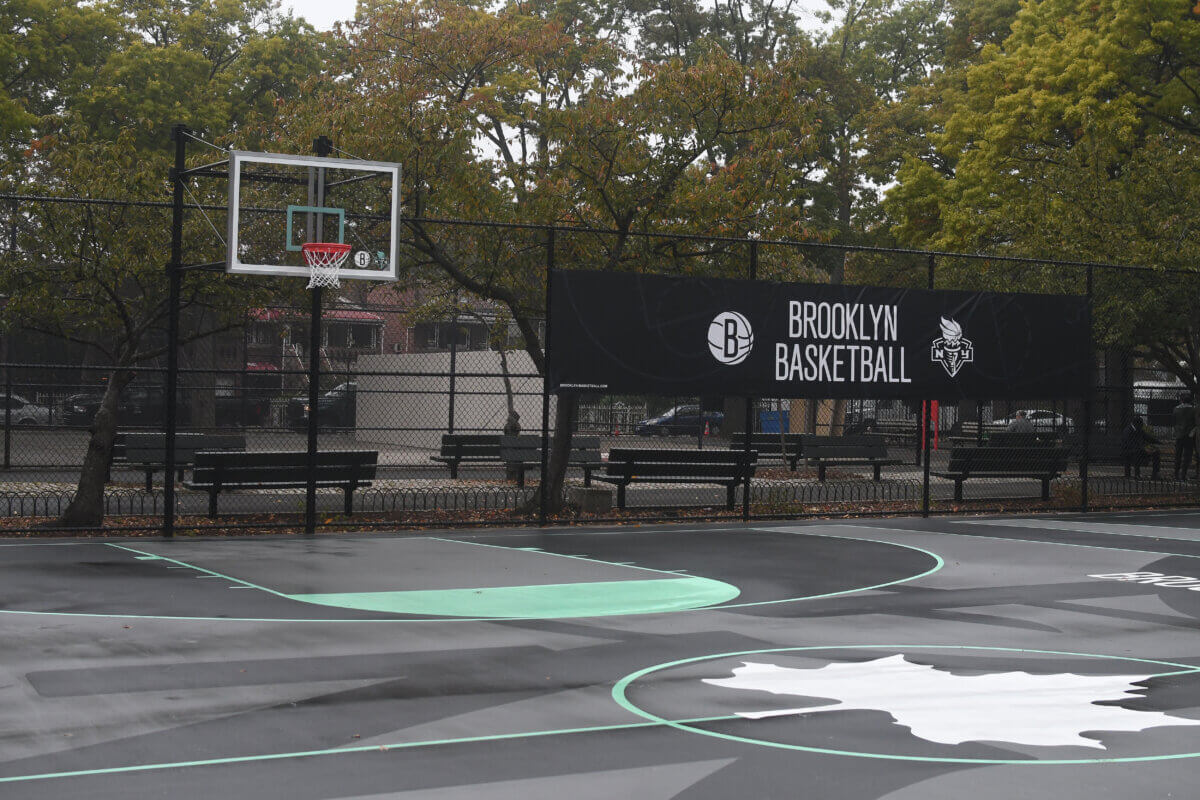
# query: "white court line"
[[1106, 528]]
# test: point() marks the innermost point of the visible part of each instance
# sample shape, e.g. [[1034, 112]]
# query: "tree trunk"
[[87, 507], [512, 422], [564, 424]]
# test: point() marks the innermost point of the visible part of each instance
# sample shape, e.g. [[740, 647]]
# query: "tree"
[[571, 138], [94, 275], [1068, 142], [45, 49]]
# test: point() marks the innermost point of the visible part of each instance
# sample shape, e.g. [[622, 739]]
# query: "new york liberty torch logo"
[[952, 350]]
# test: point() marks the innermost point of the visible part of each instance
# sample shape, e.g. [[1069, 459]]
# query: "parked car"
[[681, 420], [22, 412], [1043, 421], [335, 408], [137, 406]]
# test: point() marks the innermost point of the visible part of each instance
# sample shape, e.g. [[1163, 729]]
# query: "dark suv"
[[681, 420], [137, 406], [335, 408]]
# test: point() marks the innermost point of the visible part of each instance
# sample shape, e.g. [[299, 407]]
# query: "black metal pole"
[[314, 385], [543, 485], [242, 402], [453, 364], [1085, 453], [750, 404], [7, 408], [174, 281], [924, 453], [322, 146], [925, 425]]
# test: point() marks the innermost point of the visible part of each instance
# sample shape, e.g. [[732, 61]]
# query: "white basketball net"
[[324, 261]]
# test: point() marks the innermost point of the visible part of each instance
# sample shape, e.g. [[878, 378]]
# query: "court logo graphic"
[[730, 337], [1047, 710], [952, 350]]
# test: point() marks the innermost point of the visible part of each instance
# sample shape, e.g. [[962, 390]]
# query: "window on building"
[[360, 336]]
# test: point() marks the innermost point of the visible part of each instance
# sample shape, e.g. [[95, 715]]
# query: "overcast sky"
[[321, 14]]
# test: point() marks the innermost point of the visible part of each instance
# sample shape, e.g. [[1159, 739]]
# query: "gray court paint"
[[570, 586], [645, 783], [794, 530], [341, 751], [621, 688], [1109, 529], [177, 564], [629, 727]]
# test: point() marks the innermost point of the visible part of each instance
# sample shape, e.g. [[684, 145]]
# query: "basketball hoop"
[[324, 259]]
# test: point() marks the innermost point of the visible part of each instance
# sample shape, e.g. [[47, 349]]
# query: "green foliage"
[[575, 131], [105, 96], [1071, 138], [46, 47]]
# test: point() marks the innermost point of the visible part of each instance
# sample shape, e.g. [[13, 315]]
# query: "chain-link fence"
[[442, 391]]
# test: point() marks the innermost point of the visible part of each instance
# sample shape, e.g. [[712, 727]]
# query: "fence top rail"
[[548, 227]]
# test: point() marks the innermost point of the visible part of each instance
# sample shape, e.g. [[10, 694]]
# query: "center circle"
[[622, 690]]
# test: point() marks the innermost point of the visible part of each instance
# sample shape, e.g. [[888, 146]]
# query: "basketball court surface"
[[902, 659]]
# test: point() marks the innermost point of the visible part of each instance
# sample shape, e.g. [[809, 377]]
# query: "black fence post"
[[926, 413], [174, 280], [750, 403], [543, 497], [1085, 451], [453, 366], [7, 408]]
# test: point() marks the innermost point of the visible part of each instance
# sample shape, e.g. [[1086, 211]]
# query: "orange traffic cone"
[[707, 430]]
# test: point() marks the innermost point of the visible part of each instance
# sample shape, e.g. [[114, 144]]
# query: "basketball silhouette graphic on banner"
[[730, 337]]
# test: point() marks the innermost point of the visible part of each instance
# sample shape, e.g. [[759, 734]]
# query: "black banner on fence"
[[620, 332]]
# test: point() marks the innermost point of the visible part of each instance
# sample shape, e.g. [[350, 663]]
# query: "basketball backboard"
[[279, 202]]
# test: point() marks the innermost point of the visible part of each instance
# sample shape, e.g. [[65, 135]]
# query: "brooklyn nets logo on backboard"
[[952, 350]]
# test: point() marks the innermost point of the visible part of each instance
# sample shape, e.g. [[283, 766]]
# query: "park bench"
[[1041, 463], [1103, 448], [216, 471], [772, 445], [1019, 439], [148, 449], [468, 448], [726, 468], [903, 431], [523, 453], [848, 451]]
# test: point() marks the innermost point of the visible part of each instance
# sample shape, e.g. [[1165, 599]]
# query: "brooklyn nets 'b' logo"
[[952, 350], [730, 337]]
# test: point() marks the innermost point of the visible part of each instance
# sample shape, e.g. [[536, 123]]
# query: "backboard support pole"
[[322, 146]]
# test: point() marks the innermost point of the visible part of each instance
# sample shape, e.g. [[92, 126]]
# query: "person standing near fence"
[[1020, 424], [1184, 418], [1137, 448]]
